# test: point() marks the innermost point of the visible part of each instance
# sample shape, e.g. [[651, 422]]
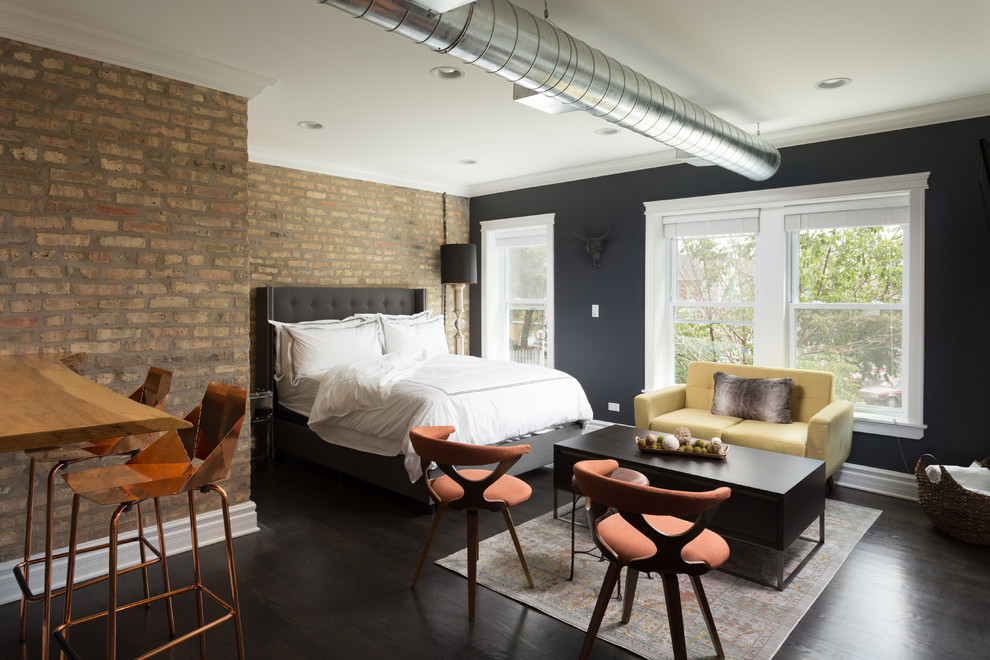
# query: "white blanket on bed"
[[487, 401]]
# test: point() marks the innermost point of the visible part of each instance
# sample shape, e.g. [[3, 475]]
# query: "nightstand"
[[262, 409]]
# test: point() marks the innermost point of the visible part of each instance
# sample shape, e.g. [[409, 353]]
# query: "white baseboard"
[[874, 480], [209, 527]]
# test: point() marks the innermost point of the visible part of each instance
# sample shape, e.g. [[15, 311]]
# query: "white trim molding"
[[209, 526], [42, 30], [874, 480]]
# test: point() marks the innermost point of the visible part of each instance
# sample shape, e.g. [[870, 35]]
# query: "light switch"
[[594, 311], [613, 407]]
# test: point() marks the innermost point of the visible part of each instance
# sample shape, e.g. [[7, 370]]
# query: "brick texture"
[[123, 235], [132, 228]]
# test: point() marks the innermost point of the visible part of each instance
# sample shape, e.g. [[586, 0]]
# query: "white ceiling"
[[912, 62]]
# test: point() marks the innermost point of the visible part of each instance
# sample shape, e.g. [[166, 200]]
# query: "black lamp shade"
[[459, 263]]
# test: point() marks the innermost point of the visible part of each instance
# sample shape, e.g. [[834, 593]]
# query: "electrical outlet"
[[613, 407], [594, 311]]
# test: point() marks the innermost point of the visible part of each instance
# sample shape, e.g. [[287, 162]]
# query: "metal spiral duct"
[[498, 37]]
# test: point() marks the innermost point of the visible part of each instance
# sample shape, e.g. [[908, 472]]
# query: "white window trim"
[[773, 346], [491, 269]]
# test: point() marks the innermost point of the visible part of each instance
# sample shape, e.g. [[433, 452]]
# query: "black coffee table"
[[775, 497]]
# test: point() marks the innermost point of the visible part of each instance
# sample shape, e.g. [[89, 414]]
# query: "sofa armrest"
[[658, 402], [830, 435]]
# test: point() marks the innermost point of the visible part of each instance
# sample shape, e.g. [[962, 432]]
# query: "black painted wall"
[[606, 354]]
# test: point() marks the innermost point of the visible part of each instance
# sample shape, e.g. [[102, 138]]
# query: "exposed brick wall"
[[311, 229], [124, 235]]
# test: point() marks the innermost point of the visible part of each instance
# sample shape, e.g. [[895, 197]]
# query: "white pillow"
[[283, 341], [418, 337], [318, 347], [398, 318]]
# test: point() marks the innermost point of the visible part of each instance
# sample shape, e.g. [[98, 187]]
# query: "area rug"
[[752, 620]]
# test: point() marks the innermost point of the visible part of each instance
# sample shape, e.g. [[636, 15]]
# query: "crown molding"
[[41, 30], [295, 161]]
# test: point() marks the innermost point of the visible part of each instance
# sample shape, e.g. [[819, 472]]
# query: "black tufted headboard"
[[292, 304]]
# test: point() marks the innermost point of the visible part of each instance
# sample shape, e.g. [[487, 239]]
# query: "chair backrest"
[[432, 445], [633, 501], [155, 390], [216, 425]]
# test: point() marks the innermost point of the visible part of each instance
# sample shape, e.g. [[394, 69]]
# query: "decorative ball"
[[651, 440], [670, 443], [683, 434], [716, 445]]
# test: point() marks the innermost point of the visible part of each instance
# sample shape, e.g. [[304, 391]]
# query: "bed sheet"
[[487, 401]]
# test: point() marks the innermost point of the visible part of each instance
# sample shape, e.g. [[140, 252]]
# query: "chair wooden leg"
[[699, 592], [672, 596], [29, 523], [200, 618], [604, 596], [164, 561], [515, 540], [472, 560], [632, 577], [429, 540]]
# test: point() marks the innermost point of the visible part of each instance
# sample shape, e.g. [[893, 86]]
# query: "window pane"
[[528, 335], [716, 269], [861, 347], [711, 334], [526, 272], [852, 265]]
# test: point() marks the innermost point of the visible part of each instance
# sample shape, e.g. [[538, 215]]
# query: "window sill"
[[890, 427]]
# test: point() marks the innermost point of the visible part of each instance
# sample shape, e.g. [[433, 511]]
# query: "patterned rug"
[[752, 620]]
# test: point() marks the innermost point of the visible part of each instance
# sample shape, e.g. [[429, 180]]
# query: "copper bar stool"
[[153, 392], [182, 461]]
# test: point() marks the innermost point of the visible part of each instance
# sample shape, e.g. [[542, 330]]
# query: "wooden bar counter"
[[47, 404]]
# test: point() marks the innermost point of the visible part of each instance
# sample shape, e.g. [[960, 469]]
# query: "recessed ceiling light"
[[833, 83], [467, 161], [607, 131], [310, 125], [446, 72]]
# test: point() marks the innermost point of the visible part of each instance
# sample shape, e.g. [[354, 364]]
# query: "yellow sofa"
[[821, 427]]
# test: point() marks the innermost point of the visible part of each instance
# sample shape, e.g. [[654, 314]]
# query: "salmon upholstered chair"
[[183, 461], [470, 490], [153, 392], [635, 526]]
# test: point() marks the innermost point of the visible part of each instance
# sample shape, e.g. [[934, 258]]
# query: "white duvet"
[[487, 401]]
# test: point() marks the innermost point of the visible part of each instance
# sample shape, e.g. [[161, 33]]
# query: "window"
[[818, 277], [517, 298]]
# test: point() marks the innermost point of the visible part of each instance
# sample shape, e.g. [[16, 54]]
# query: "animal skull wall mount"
[[594, 246]]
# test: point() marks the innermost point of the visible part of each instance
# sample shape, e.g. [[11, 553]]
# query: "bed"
[[374, 458]]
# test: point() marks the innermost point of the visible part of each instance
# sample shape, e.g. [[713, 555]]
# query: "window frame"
[[494, 303], [773, 343]]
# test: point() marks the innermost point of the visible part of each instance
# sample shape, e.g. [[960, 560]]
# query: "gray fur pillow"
[[760, 399]]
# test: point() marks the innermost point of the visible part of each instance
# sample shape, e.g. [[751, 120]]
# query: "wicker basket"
[[956, 511]]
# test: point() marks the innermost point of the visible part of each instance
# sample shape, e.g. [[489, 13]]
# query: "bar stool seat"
[[620, 474]]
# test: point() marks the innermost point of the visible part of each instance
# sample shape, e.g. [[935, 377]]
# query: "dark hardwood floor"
[[328, 577]]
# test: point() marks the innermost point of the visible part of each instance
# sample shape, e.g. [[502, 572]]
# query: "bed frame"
[[291, 434]]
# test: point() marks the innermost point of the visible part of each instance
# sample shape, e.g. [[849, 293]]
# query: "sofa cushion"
[[781, 438], [702, 423], [761, 399]]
